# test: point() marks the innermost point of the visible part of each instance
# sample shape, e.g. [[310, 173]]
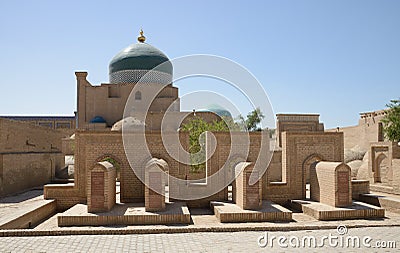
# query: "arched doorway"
[[117, 165], [306, 173], [381, 172]]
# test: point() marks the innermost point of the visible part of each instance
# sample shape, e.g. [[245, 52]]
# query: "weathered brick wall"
[[274, 172], [92, 147], [395, 150], [330, 183], [297, 123], [109, 100], [359, 187], [297, 149], [379, 163], [368, 130], [68, 146], [67, 195], [29, 155], [382, 167], [396, 175], [17, 136], [21, 171]]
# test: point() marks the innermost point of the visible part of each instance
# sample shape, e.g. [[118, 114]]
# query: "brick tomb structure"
[[155, 181], [101, 187], [245, 194], [330, 183], [331, 195], [248, 205]]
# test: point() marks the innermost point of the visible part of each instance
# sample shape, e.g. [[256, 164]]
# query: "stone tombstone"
[[155, 185], [330, 183], [101, 192], [246, 195]]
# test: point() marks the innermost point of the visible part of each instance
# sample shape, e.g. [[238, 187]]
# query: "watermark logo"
[[341, 229], [340, 240], [138, 151]]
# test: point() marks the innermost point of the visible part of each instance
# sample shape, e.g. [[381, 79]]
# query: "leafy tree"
[[253, 120], [391, 121], [196, 127]]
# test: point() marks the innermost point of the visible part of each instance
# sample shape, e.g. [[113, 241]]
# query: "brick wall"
[[297, 149], [17, 137], [382, 167], [359, 187], [29, 155], [109, 100], [368, 130], [93, 146], [22, 171], [297, 123]]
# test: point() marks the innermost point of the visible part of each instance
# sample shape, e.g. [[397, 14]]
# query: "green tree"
[[391, 121], [253, 120], [196, 127]]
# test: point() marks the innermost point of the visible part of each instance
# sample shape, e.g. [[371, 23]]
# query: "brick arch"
[[143, 163], [115, 158], [104, 156], [306, 165], [164, 157], [232, 162], [379, 175]]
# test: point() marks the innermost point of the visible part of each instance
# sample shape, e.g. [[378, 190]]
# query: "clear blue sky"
[[336, 58]]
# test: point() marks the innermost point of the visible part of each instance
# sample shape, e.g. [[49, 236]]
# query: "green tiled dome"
[[133, 64], [140, 56]]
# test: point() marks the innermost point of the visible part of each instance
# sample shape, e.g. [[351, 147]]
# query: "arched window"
[[138, 95]]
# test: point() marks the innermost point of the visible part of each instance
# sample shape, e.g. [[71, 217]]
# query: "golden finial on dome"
[[141, 38]]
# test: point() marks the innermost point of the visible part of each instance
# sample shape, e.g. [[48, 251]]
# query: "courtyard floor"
[[203, 220], [382, 239], [204, 234]]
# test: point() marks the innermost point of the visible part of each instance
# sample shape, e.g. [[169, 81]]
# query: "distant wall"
[[62, 123], [29, 155], [23, 171], [369, 129]]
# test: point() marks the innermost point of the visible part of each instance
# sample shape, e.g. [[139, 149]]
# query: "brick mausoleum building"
[[148, 170]]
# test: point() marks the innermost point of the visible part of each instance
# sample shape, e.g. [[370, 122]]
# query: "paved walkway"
[[15, 206], [203, 221], [212, 242]]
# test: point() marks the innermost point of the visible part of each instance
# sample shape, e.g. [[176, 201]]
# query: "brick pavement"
[[195, 242]]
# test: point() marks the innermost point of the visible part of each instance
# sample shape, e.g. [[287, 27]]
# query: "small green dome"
[[135, 61], [217, 109]]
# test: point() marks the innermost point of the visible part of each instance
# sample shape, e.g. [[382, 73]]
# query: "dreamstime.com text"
[[339, 240]]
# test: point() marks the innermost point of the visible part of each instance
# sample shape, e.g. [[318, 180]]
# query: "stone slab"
[[125, 214], [230, 212], [25, 210], [320, 211], [388, 201]]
